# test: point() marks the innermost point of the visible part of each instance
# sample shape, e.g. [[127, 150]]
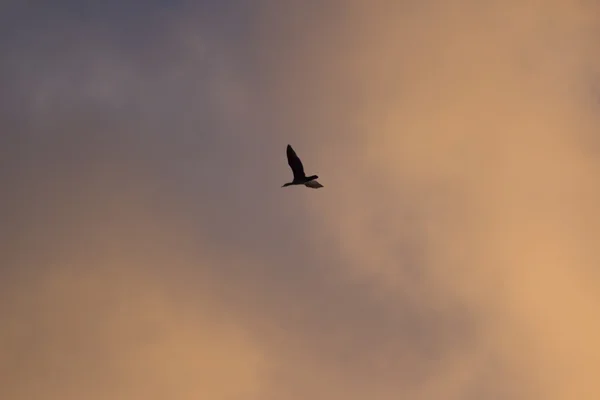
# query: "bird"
[[300, 177]]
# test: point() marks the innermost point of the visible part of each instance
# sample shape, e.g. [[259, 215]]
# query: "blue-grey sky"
[[149, 250]]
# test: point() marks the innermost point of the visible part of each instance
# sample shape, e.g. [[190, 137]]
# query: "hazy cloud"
[[149, 251]]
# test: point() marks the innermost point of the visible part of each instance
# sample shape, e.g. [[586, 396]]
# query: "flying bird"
[[300, 177]]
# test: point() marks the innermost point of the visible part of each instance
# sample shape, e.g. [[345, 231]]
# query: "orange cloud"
[[470, 142], [450, 255]]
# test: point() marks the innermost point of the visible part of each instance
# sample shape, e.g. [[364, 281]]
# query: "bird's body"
[[300, 177]]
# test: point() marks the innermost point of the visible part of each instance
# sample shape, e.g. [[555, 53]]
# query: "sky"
[[148, 250]]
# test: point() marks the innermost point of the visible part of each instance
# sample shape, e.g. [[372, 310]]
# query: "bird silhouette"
[[300, 177]]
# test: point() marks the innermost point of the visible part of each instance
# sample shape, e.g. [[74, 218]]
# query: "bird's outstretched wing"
[[295, 163], [313, 184]]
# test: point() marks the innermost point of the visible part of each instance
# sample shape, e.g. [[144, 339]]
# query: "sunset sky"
[[148, 250]]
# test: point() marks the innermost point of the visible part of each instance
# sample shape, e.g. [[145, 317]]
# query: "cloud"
[[473, 126], [151, 252], [79, 332]]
